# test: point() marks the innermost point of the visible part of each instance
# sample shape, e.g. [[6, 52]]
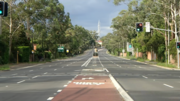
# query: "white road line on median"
[[34, 77], [168, 85], [144, 77], [21, 81], [50, 98], [59, 90], [45, 73]]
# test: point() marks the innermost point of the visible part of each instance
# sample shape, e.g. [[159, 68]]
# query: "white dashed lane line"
[[30, 70], [145, 77], [55, 69], [168, 85], [14, 74], [45, 73], [50, 98], [34, 77], [21, 81], [59, 90]]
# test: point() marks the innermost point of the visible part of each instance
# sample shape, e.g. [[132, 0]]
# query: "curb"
[[149, 64], [121, 91]]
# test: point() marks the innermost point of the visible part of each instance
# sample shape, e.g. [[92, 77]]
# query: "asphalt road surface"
[[46, 81]]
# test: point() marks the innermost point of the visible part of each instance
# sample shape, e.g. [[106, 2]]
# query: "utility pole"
[[0, 25], [168, 40], [151, 46]]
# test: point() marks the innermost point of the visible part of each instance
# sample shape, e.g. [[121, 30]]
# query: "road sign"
[[123, 50], [148, 27], [61, 49]]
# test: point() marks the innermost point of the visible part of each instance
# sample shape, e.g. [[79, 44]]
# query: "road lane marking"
[[144, 77], [50, 98], [34, 77], [59, 90], [106, 70], [55, 69], [30, 70], [14, 74], [62, 67], [21, 81], [49, 65], [168, 85], [41, 68], [67, 65], [6, 86], [101, 62], [45, 73], [65, 85]]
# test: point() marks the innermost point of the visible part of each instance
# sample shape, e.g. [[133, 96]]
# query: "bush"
[[4, 53], [24, 52], [48, 55]]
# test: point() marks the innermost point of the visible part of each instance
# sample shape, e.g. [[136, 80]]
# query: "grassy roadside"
[[148, 61], [4, 68], [7, 67]]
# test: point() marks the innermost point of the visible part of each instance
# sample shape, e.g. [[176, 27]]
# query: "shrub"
[[24, 52]]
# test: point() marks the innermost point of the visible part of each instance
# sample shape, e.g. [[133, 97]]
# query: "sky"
[[87, 13]]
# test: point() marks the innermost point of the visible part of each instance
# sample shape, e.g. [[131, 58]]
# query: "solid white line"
[[59, 90], [85, 62], [101, 62], [168, 85], [50, 98], [144, 77], [34, 77], [21, 81], [88, 62]]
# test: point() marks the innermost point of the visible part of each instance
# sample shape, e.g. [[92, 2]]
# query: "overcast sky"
[[86, 13]]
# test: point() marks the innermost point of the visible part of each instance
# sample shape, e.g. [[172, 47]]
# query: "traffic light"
[[139, 27], [3, 8], [178, 45]]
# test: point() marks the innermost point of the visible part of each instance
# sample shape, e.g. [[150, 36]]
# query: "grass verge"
[[166, 65], [4, 67]]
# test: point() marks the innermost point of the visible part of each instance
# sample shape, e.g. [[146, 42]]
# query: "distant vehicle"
[[95, 52]]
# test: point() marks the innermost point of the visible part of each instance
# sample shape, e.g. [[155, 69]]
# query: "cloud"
[[86, 13]]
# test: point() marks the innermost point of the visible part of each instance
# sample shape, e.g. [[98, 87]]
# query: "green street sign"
[[61, 49]]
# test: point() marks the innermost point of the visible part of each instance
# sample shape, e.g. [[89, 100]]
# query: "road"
[[50, 81]]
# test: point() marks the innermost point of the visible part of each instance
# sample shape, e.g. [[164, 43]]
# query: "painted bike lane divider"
[[98, 88]]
